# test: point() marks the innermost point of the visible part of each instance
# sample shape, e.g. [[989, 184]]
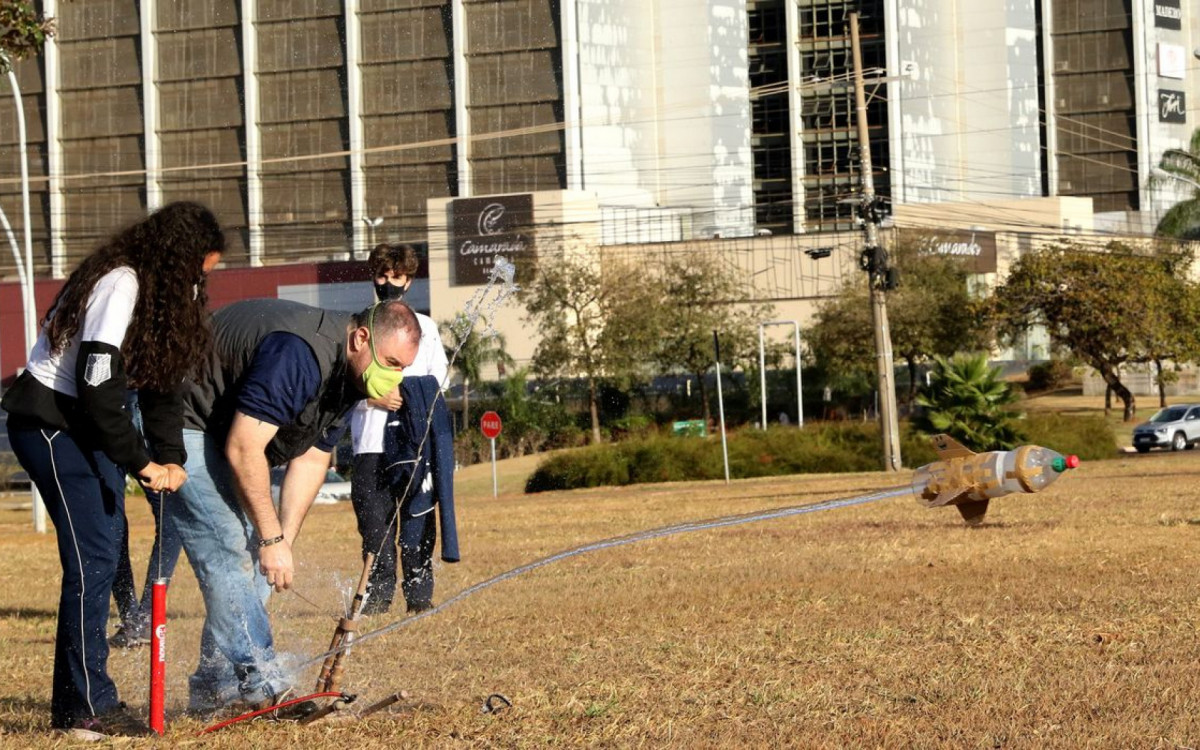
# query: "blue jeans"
[[237, 652], [135, 613]]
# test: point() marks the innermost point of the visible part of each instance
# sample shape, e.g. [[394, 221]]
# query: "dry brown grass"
[[1068, 621]]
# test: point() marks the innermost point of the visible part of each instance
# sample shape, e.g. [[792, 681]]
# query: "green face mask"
[[379, 379]]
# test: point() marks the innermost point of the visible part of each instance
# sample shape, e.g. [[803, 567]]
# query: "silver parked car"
[[335, 489], [1175, 427]]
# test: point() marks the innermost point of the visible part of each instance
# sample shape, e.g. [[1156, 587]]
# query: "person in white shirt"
[[393, 267], [131, 317]]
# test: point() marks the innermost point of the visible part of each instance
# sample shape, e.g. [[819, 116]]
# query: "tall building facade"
[[317, 127], [1123, 82]]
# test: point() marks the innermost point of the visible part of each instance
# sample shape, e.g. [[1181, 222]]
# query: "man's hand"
[[391, 402], [176, 476], [275, 562]]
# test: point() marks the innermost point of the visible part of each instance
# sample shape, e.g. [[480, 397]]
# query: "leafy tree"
[[475, 351], [967, 400], [596, 321], [1182, 166], [698, 297], [22, 32], [1170, 333], [930, 313], [1093, 304], [841, 339]]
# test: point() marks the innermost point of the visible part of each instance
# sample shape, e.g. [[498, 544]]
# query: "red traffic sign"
[[490, 424]]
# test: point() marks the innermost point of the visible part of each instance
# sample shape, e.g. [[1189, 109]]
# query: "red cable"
[[269, 709]]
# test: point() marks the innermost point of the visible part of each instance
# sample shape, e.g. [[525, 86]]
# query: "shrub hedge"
[[830, 447]]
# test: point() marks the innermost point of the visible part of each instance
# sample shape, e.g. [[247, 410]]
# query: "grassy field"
[[1069, 620]]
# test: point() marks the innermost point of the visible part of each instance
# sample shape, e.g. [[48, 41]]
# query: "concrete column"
[[254, 200], [572, 99], [150, 106], [1051, 99], [462, 121], [54, 151], [895, 93], [795, 120], [354, 111]]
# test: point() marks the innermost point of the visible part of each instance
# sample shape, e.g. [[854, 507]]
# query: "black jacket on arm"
[[428, 478], [97, 417]]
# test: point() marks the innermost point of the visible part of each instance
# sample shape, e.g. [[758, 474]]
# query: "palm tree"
[[474, 352], [1183, 219], [966, 399]]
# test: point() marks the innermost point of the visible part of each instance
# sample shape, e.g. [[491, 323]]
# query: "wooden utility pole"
[[874, 262]]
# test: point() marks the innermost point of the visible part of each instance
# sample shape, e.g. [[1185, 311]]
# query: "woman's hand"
[[154, 476]]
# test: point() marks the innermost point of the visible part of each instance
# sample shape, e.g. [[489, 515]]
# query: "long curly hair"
[[170, 333]]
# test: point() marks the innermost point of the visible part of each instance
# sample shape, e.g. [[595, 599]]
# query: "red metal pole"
[[158, 654]]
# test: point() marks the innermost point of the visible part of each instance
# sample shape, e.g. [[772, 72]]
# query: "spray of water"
[[641, 536], [484, 304]]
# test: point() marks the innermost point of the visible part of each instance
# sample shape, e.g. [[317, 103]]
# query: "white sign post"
[[491, 426]]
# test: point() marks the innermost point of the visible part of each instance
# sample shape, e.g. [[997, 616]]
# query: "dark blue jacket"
[[433, 483]]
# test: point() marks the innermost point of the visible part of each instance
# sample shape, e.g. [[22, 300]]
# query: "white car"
[[335, 489], [1175, 428]]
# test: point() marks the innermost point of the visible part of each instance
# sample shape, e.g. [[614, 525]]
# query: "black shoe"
[[128, 638], [119, 722]]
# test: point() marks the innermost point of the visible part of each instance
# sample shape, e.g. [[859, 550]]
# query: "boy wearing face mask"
[[393, 268]]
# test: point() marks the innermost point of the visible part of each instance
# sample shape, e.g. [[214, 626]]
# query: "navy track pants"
[[84, 494]]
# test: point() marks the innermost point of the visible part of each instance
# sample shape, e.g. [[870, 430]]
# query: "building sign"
[[977, 247], [1172, 106], [483, 228], [1168, 14], [1172, 61]]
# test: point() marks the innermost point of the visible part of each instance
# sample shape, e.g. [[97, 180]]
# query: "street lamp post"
[[27, 290]]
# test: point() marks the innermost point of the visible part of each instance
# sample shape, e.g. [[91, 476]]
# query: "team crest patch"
[[98, 370]]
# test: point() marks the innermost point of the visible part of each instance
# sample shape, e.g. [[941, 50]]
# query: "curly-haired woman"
[[131, 316]]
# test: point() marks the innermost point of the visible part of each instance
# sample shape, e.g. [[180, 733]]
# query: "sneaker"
[[416, 607], [128, 638], [294, 712], [119, 722]]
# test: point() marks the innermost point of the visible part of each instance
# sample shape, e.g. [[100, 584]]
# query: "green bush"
[[829, 447], [1046, 376], [1086, 436], [967, 399]]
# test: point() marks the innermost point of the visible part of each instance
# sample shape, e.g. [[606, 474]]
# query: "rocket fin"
[[947, 448], [945, 498], [973, 512]]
